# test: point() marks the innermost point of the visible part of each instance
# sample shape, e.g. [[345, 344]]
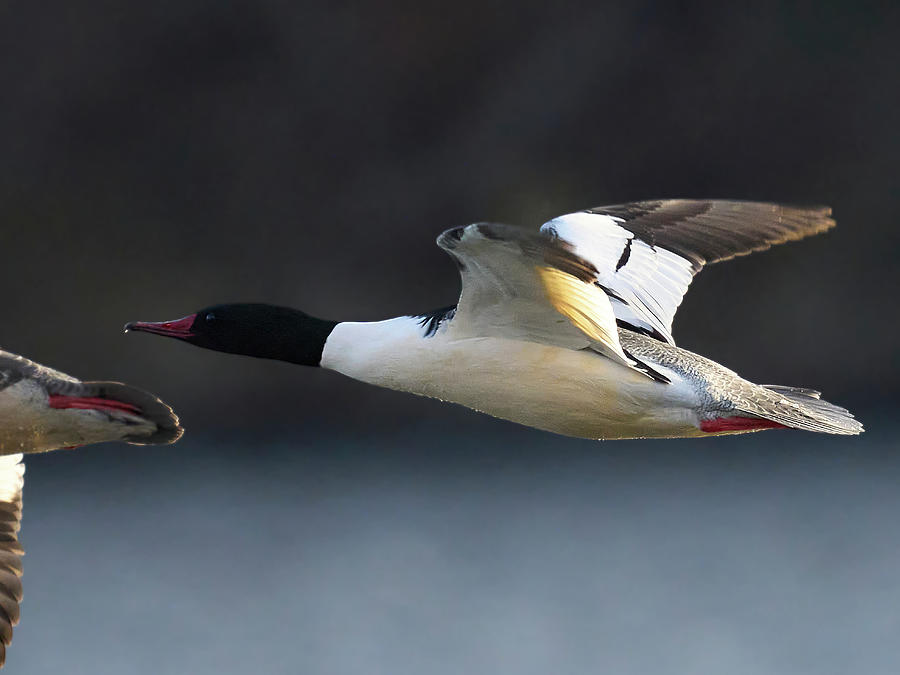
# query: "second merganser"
[[42, 409]]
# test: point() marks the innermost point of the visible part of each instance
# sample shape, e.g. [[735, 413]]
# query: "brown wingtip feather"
[[792, 223], [706, 231], [787, 224]]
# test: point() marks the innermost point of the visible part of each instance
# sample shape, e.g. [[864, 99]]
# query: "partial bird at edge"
[[42, 409]]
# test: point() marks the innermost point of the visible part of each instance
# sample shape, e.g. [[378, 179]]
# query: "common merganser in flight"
[[568, 329], [42, 409]]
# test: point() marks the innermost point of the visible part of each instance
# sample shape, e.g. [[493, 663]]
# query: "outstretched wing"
[[527, 286], [12, 473], [646, 253]]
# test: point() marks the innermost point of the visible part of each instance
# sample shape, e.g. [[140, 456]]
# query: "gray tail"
[[803, 409], [168, 430]]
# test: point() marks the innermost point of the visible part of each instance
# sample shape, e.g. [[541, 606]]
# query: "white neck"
[[385, 353]]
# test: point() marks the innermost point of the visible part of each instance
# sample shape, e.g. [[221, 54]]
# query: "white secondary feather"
[[649, 285]]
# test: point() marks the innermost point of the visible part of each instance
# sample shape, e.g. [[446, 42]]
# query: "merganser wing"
[[647, 253]]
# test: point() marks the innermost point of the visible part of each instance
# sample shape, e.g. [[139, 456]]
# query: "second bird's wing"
[[12, 477]]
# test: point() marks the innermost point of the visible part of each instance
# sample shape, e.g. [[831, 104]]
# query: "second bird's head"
[[251, 329]]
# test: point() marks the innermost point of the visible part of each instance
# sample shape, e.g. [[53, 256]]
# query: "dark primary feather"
[[706, 231]]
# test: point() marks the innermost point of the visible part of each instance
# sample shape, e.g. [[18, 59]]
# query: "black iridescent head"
[[264, 331]]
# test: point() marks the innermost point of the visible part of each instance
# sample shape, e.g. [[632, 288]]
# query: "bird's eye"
[[210, 317]]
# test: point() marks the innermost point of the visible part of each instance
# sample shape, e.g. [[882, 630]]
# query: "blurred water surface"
[[499, 550]]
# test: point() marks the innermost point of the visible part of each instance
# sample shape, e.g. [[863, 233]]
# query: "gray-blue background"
[[160, 157]]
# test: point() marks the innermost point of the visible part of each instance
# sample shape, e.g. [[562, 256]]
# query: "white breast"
[[575, 393]]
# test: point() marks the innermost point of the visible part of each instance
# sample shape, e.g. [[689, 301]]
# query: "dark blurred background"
[[160, 157]]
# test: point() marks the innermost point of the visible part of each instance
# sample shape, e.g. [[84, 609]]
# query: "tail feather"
[[803, 409], [793, 391]]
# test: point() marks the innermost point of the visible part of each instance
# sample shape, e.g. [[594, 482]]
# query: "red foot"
[[738, 424], [88, 403]]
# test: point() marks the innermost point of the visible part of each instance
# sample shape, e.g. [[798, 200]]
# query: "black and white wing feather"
[[12, 473], [528, 286], [647, 253]]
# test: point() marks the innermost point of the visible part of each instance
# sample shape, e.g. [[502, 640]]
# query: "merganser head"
[[251, 329]]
